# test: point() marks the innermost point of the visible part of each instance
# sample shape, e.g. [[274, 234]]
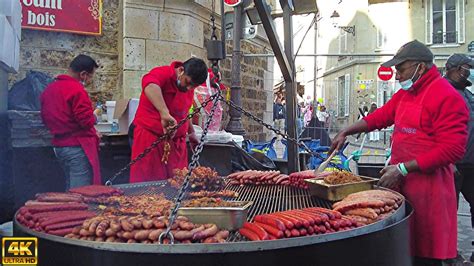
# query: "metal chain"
[[160, 139], [277, 131], [192, 165]]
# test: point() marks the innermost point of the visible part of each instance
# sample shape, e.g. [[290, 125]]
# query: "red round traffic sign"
[[385, 73], [232, 2]]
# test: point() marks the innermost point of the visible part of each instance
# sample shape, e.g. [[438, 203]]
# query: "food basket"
[[321, 189], [230, 218]]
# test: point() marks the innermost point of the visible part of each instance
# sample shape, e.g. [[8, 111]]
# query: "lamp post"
[[335, 21]]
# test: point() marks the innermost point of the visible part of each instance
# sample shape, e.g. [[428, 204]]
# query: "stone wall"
[[51, 52], [158, 32]]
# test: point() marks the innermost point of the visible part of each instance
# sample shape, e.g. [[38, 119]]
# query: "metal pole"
[[315, 79], [235, 122], [223, 28], [290, 88], [338, 54]]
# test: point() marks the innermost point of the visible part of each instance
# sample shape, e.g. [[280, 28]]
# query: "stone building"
[[138, 35]]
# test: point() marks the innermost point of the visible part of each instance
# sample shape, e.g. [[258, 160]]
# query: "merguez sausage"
[[262, 234]]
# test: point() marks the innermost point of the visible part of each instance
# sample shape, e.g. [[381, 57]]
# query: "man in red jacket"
[[430, 135], [67, 112], [166, 98]]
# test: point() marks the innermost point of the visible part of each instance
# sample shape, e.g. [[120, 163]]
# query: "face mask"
[[471, 74], [178, 84], [407, 84]]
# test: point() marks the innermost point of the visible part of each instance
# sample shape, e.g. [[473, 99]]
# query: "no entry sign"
[[232, 2], [385, 73]]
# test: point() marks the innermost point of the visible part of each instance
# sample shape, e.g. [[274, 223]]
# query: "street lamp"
[[335, 22]]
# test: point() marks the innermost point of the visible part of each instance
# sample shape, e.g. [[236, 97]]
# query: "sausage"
[[182, 235], [310, 230], [287, 233], [63, 225], [115, 225], [271, 230], [312, 219], [126, 226], [147, 223], [302, 215], [61, 232], [85, 232], [211, 239], [287, 222], [262, 234], [103, 225], [209, 231], [110, 232], [129, 235], [303, 232], [295, 232], [157, 223], [186, 225], [295, 221], [94, 225], [222, 235], [57, 207], [136, 222], [142, 235], [67, 218], [155, 234], [322, 229], [266, 219], [335, 224], [249, 234]]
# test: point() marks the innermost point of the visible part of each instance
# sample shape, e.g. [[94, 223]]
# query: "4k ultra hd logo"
[[20, 250]]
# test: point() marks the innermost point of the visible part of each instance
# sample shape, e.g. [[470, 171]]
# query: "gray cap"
[[412, 51], [456, 60]]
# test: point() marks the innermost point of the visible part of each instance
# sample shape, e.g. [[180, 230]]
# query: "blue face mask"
[[407, 84], [471, 74]]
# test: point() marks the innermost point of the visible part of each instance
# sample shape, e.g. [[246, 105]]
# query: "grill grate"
[[266, 199]]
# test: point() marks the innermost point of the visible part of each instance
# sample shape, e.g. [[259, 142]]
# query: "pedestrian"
[[68, 113], [459, 72], [279, 114], [430, 135], [167, 96], [323, 116]]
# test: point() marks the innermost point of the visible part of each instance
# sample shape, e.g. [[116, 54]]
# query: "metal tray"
[[230, 218], [319, 188]]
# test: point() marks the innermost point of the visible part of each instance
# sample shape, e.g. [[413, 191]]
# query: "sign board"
[[470, 47], [385, 73], [249, 31], [78, 16]]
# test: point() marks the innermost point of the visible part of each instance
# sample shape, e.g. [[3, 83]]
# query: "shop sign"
[[78, 16]]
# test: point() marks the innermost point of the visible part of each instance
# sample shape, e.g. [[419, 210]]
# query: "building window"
[[343, 42], [343, 95], [445, 22]]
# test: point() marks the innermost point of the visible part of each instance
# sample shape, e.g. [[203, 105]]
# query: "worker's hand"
[[338, 142], [391, 177], [193, 140], [167, 122]]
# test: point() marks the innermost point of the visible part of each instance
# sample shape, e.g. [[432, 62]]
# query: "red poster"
[[75, 16]]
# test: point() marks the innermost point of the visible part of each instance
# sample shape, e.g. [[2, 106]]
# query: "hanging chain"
[[192, 165], [278, 132], [159, 140]]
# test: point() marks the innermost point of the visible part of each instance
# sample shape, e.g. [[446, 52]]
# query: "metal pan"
[[230, 218], [320, 189]]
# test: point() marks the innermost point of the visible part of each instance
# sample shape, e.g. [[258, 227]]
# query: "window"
[[343, 42], [445, 22], [343, 95], [382, 38]]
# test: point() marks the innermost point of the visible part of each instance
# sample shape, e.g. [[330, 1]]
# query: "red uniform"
[[430, 126], [148, 127], [67, 112]]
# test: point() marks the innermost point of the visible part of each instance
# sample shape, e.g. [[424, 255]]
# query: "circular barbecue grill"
[[382, 243]]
